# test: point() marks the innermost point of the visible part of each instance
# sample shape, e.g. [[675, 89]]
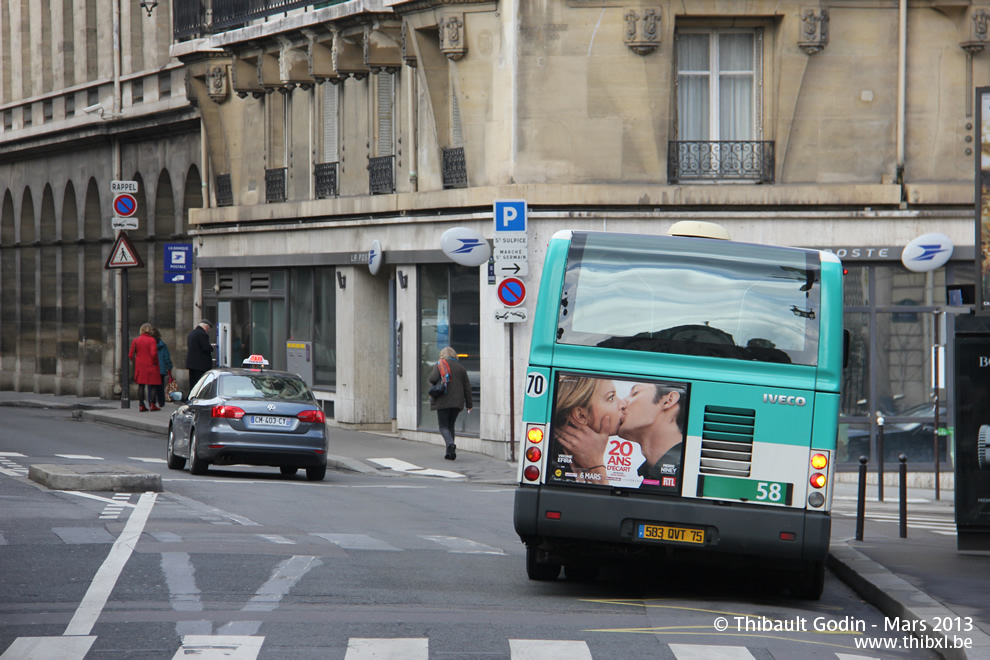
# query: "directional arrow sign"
[[123, 254], [512, 268]]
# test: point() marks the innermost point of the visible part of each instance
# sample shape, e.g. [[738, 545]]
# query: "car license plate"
[[675, 534], [269, 421]]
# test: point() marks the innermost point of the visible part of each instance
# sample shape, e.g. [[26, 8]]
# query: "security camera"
[[96, 108]]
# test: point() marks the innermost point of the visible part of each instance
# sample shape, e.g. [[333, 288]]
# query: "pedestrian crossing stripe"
[[248, 647]]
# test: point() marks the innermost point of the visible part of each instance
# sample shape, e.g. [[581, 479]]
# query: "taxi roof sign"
[[255, 360]]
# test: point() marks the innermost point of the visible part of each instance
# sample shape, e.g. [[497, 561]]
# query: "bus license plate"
[[675, 534], [269, 421]]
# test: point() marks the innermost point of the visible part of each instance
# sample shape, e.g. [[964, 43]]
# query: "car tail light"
[[533, 454], [229, 412], [314, 416], [819, 461], [818, 480], [534, 434], [532, 473]]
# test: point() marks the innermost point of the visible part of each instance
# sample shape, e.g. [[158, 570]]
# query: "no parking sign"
[[511, 292]]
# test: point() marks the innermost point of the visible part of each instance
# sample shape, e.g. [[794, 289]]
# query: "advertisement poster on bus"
[[618, 432]]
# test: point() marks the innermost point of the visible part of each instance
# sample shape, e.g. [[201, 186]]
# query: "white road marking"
[[285, 576], [46, 648], [464, 546], [180, 576], [409, 468], [358, 542], [275, 538], [90, 496], [709, 652], [219, 647], [146, 460], [558, 649], [80, 457], [411, 648], [106, 577], [14, 453]]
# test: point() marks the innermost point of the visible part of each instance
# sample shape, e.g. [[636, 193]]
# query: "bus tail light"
[[820, 471], [533, 457]]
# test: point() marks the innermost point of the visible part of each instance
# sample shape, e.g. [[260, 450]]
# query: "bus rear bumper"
[[608, 522]]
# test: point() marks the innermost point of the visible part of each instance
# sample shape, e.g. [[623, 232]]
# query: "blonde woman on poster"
[[588, 411]]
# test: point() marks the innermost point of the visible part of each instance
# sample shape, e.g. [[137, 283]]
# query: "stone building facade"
[[281, 146]]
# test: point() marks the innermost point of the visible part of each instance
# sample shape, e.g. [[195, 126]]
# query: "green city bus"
[[682, 400]]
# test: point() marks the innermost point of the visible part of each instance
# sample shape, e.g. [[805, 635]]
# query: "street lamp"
[[149, 5]]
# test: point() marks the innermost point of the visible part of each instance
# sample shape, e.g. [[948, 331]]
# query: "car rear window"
[[265, 386]]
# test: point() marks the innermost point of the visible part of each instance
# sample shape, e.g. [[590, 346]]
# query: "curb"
[[114, 478], [151, 425], [898, 599]]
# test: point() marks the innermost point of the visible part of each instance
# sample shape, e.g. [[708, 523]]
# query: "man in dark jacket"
[[199, 352], [449, 404]]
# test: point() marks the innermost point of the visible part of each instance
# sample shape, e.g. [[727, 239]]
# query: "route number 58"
[[768, 491]]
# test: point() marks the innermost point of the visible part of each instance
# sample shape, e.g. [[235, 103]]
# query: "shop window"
[[449, 315], [325, 327]]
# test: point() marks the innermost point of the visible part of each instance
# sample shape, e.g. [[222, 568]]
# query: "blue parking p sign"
[[510, 215]]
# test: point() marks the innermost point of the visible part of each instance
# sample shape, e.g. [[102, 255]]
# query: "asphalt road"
[[243, 563]]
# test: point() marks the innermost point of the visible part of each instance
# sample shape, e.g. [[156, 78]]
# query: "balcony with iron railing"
[[454, 168], [326, 180], [381, 175], [275, 184], [189, 17], [726, 160]]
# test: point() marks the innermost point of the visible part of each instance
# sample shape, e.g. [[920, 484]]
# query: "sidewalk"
[[917, 578]]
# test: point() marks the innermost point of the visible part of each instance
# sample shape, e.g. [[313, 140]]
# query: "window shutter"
[[386, 84], [331, 109], [456, 135]]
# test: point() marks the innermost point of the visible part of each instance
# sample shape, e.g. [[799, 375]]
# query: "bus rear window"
[[691, 296]]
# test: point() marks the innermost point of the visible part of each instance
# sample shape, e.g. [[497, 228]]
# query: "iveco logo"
[[271, 407], [784, 400]]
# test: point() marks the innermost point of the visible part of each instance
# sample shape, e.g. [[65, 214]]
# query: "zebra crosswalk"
[[935, 523], [249, 647]]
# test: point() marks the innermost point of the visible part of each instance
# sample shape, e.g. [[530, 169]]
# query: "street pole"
[[938, 383]]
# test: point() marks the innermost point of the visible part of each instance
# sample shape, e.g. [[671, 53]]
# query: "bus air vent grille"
[[727, 441]]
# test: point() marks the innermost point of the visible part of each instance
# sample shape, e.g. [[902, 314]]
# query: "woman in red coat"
[[144, 352]]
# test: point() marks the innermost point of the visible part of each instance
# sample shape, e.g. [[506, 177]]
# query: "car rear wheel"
[[174, 462], [316, 473], [288, 471], [196, 464]]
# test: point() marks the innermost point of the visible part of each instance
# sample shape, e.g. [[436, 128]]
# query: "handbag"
[[439, 388], [170, 387]]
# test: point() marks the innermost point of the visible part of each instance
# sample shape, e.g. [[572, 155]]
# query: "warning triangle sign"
[[123, 254]]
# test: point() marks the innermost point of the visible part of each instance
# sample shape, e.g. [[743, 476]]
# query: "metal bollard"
[[861, 500], [880, 454], [903, 468]]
